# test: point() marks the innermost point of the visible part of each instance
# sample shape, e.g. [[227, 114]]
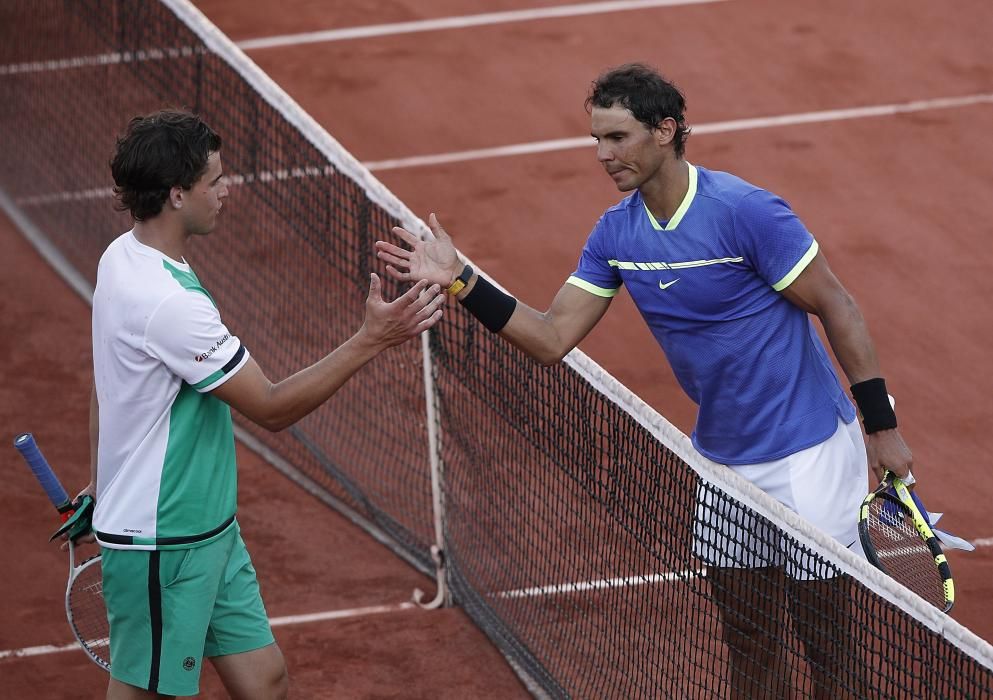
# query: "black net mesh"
[[573, 536]]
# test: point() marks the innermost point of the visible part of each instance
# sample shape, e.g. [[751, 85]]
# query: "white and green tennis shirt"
[[166, 475]]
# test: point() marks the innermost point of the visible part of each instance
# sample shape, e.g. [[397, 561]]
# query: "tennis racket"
[[85, 607], [898, 540]]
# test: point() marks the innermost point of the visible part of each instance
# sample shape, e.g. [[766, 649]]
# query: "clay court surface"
[[899, 203]]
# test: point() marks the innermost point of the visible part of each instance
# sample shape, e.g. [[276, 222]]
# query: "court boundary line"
[[822, 116], [647, 418], [459, 22], [45, 248], [283, 621], [347, 613], [533, 147], [605, 584], [233, 180], [346, 33], [112, 58]]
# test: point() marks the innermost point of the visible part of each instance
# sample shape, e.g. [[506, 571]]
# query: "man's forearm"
[[298, 395], [545, 336], [850, 341], [852, 345]]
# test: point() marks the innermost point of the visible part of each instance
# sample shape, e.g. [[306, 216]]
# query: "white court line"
[[232, 181], [601, 584], [551, 589], [68, 196], [104, 59], [118, 57], [339, 614], [552, 145], [275, 622], [460, 22], [830, 115], [38, 651], [626, 581]]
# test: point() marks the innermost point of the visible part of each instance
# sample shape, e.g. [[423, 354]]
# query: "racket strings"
[[88, 613], [902, 553]]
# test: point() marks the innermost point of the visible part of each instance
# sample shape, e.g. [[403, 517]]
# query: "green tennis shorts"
[[169, 609]]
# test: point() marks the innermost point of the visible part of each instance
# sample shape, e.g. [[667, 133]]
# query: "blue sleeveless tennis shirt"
[[707, 283]]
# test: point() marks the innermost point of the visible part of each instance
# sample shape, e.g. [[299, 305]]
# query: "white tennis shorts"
[[825, 484]]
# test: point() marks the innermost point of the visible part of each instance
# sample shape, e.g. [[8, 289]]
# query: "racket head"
[[897, 540], [86, 610]]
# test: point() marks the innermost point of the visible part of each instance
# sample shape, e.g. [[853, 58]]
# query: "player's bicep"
[[816, 290], [247, 391], [549, 336], [574, 312]]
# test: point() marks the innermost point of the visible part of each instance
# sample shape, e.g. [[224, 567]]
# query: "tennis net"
[[565, 508]]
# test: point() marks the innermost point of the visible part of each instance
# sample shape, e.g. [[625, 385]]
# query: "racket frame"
[[74, 573], [905, 502], [26, 445]]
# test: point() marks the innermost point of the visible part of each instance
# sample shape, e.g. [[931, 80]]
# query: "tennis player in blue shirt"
[[725, 275]]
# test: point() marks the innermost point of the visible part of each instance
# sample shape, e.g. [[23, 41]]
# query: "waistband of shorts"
[[112, 540]]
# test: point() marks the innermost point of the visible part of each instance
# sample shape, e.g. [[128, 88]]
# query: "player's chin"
[[623, 182], [209, 225]]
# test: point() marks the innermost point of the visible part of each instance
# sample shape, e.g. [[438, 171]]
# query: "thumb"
[[374, 287], [436, 228]]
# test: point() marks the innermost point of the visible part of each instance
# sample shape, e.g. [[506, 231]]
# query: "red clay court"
[[871, 119]]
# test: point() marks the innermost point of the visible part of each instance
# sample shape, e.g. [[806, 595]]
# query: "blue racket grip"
[[28, 448]]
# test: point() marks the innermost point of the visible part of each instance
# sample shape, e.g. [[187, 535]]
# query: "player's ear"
[[176, 197], [665, 132]]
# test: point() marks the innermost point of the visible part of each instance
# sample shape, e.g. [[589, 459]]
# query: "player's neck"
[[164, 234], [665, 191]]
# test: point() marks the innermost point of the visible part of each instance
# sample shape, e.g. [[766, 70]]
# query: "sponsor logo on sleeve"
[[213, 348]]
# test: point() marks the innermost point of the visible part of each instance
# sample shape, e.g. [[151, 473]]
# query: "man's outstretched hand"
[[432, 260], [389, 323]]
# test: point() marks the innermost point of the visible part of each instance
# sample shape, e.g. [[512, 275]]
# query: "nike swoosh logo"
[[667, 284]]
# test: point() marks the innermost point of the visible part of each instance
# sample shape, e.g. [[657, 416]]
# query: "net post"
[[442, 597]]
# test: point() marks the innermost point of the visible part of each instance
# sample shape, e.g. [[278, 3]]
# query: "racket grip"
[[28, 448]]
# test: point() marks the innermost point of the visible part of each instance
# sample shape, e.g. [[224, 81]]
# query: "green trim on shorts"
[[169, 609]]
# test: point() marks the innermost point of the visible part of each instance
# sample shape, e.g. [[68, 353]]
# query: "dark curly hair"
[[157, 152], [642, 90]]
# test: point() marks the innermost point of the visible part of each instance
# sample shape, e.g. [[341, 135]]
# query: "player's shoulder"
[[116, 249], [725, 188], [178, 305], [142, 274], [623, 209]]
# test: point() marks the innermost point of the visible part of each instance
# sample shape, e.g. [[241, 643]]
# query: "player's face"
[[627, 149], [203, 202]]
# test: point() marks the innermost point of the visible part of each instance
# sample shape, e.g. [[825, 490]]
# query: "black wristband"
[[874, 405], [492, 307]]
